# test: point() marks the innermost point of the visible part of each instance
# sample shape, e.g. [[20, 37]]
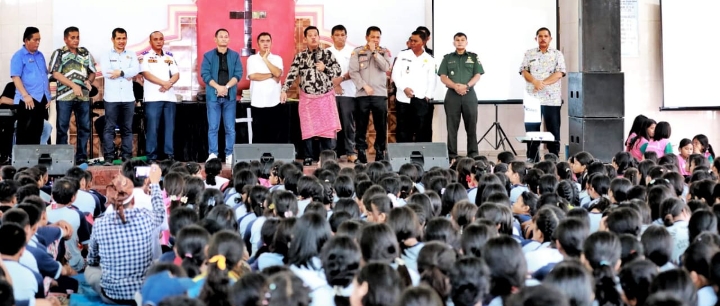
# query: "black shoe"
[[361, 157], [308, 162], [379, 155], [108, 161], [170, 158], [80, 161]]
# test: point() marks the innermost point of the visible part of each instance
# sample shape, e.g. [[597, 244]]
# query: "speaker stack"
[[597, 93]]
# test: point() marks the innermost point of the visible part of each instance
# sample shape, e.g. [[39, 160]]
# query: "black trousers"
[[30, 122], [465, 107], [346, 138], [325, 144], [270, 124], [378, 106], [412, 121], [7, 131]]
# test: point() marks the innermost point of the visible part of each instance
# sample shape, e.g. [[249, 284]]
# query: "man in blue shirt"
[[30, 75], [221, 71], [118, 68]]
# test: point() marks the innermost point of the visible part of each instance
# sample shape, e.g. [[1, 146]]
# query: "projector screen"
[[689, 54], [499, 32]]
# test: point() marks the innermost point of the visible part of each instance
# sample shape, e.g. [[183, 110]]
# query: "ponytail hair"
[[212, 169], [225, 251], [190, 247], [435, 261], [405, 224], [705, 143], [564, 171], [469, 281], [474, 238], [340, 258], [378, 242], [602, 251], [285, 289], [671, 208], [677, 281], [463, 213]]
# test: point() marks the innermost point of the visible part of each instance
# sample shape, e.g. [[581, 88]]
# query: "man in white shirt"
[[270, 122], [344, 94], [160, 72], [414, 77], [118, 68]]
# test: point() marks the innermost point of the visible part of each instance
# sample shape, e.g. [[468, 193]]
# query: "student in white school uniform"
[[270, 122], [414, 76], [64, 192]]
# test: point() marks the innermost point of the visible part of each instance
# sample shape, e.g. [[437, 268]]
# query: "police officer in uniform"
[[460, 71]]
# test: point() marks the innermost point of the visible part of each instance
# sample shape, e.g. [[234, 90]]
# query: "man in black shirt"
[[427, 38]]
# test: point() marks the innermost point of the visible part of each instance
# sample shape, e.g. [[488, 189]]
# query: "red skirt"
[[318, 115]]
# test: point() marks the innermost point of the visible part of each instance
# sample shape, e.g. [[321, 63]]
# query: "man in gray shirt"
[[369, 66]]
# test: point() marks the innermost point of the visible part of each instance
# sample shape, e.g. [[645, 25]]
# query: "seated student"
[[47, 266], [660, 142], [226, 253], [64, 192], [279, 246], [84, 201], [309, 189], [164, 281], [516, 174], [27, 289], [121, 244], [100, 199], [180, 218], [8, 200], [506, 157], [213, 168]]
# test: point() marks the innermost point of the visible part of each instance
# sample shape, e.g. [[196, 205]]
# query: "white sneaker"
[[212, 155], [229, 160]]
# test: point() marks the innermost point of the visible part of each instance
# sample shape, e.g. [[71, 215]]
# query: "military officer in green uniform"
[[460, 71]]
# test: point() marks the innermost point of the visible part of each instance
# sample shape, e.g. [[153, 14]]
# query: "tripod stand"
[[500, 137]]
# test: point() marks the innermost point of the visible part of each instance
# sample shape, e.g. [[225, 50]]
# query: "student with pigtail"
[[508, 271], [475, 236], [435, 262], [379, 243], [602, 252], [340, 257], [310, 234], [225, 265], [408, 231], [675, 215], [469, 282], [190, 249], [545, 222]]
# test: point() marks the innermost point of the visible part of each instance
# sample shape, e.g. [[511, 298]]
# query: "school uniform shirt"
[[28, 260], [706, 296], [194, 292], [541, 257], [163, 66], [85, 202], [343, 58], [595, 219], [410, 255], [25, 284], [585, 199], [46, 265], [269, 259], [245, 220], [414, 72], [302, 204], [219, 181], [314, 278], [498, 300], [516, 191], [472, 194], [681, 239], [667, 267], [80, 235], [264, 93], [255, 233]]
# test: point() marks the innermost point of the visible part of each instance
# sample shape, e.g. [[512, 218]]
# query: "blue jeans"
[[215, 110], [46, 133], [82, 123], [118, 114], [154, 111]]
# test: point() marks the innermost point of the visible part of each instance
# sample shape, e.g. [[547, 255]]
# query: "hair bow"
[[220, 261]]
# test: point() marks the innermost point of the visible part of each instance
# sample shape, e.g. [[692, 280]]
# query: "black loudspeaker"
[[596, 94], [265, 153], [57, 158], [601, 137], [427, 154], [600, 36]]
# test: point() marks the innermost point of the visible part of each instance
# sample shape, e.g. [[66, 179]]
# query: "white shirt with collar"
[[414, 72], [162, 66], [343, 58], [264, 93]]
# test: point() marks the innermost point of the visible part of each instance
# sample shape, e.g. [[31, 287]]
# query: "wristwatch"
[[122, 73]]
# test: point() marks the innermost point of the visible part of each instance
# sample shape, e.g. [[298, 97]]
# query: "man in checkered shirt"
[[121, 242]]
